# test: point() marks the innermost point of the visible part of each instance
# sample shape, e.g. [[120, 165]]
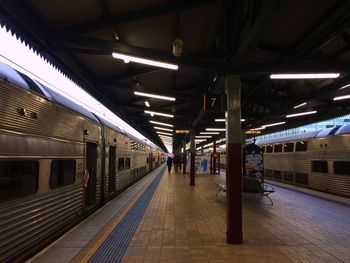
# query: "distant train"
[[318, 160], [58, 163]]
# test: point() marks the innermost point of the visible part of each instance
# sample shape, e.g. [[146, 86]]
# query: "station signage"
[[255, 132], [182, 131]]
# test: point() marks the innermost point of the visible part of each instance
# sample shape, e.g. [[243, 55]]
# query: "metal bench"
[[222, 187], [252, 186]]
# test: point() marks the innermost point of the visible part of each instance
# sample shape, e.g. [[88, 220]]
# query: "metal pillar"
[[214, 159], [193, 154], [233, 160], [184, 160]]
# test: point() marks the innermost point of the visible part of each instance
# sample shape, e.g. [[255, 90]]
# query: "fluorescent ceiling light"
[[147, 103], [128, 58], [210, 133], [346, 86], [215, 129], [274, 124], [165, 133], [300, 114], [258, 129], [223, 120], [300, 105], [305, 76], [150, 95], [161, 123], [199, 141], [163, 129], [159, 113], [203, 136], [342, 97]]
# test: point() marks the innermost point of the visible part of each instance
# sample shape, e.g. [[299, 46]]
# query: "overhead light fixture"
[[159, 113], [215, 129], [155, 63], [162, 123], [305, 76], [199, 140], [163, 129], [258, 129], [223, 120], [274, 124], [300, 114], [300, 105], [342, 97], [344, 87], [210, 133], [202, 136], [147, 103], [165, 133], [150, 95]]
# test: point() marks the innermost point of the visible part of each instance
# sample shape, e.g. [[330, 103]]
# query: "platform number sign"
[[213, 103]]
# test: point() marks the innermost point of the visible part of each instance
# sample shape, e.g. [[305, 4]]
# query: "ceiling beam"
[[129, 73], [105, 22], [327, 26], [98, 46], [253, 36]]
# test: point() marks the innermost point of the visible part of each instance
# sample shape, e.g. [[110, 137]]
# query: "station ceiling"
[[252, 39]]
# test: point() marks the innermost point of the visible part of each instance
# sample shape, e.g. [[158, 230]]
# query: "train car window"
[[277, 174], [269, 148], [301, 146], [320, 166], [268, 173], [120, 164], [127, 163], [301, 178], [278, 148], [62, 173], [341, 167], [288, 176], [288, 147], [18, 178]]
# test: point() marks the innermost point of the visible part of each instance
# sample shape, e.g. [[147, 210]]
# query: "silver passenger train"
[[318, 160], [58, 163]]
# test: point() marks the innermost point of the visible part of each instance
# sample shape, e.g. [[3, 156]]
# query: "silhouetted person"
[[169, 163], [176, 162]]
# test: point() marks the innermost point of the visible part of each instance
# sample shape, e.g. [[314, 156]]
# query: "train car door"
[[150, 159], [112, 160], [91, 164]]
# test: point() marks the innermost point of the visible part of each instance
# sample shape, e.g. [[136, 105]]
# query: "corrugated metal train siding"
[[25, 221], [66, 126]]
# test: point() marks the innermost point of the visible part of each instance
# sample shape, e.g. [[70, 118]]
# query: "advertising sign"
[[253, 162]]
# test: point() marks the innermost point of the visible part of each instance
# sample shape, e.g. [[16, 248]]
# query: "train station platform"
[[163, 219]]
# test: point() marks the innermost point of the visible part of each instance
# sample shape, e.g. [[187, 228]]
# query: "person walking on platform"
[[176, 162], [169, 163]]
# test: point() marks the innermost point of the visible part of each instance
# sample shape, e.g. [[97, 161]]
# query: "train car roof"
[[25, 82], [13, 76], [294, 137], [110, 125], [345, 129]]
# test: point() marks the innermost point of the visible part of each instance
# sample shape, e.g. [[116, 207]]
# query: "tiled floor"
[[188, 224]]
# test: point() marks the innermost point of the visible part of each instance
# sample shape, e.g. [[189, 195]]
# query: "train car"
[[318, 160], [58, 163]]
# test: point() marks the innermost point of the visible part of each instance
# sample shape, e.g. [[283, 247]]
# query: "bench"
[[252, 186], [222, 187]]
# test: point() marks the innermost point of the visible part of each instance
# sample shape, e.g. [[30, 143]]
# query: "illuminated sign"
[[252, 132], [182, 131]]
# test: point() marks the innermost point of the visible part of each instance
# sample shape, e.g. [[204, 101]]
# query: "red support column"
[[193, 154], [233, 160], [214, 159], [184, 156]]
